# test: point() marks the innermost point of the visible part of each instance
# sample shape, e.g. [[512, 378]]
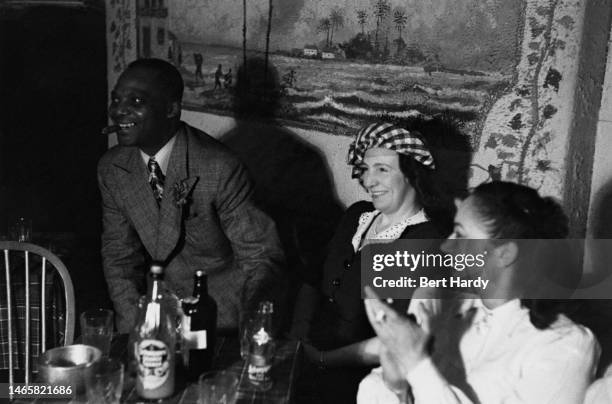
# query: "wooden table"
[[285, 371]]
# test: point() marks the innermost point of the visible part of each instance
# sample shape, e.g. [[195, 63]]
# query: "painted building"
[[311, 51], [328, 54], [152, 25]]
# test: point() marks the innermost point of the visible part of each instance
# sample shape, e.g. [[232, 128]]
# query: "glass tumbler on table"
[[97, 329], [21, 230], [104, 383], [218, 388]]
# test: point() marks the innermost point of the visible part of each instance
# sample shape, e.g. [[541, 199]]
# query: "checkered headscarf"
[[391, 137]]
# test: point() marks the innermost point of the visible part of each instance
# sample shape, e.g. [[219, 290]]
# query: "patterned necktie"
[[156, 179]]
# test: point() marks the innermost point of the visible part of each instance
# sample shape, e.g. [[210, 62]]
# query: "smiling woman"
[[396, 167]]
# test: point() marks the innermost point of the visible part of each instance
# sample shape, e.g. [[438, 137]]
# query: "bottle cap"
[[157, 268], [200, 273], [266, 307]]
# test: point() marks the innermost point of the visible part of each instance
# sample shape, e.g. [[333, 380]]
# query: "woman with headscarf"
[[398, 169], [502, 345]]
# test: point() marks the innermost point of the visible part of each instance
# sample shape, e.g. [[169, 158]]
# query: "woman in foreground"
[[498, 347]]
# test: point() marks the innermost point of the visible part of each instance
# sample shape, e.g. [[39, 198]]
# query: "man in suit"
[[172, 193]]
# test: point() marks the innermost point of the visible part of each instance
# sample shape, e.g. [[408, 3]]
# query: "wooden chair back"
[[31, 262]]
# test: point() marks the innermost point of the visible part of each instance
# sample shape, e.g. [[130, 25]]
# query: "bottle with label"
[[199, 328], [155, 340], [262, 346]]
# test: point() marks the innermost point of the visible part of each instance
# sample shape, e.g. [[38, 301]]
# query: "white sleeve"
[[600, 392], [429, 387], [555, 370], [373, 390]]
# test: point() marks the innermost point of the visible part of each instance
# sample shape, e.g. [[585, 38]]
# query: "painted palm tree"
[[400, 20], [362, 18], [336, 20], [244, 31], [325, 26], [270, 7], [381, 10]]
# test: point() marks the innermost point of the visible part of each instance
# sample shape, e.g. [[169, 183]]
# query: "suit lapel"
[[170, 224], [141, 205]]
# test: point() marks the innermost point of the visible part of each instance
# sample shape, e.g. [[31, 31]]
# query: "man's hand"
[[403, 339]]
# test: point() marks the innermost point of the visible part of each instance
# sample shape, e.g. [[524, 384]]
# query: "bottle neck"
[[263, 320], [264, 316], [156, 287], [200, 286]]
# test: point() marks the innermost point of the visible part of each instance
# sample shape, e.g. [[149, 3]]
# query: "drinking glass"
[[97, 329], [218, 388], [21, 230], [104, 383], [246, 324]]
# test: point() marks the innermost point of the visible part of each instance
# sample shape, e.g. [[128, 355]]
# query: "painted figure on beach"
[[218, 76], [198, 59]]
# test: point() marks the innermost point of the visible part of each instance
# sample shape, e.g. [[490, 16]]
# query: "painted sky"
[[477, 34]]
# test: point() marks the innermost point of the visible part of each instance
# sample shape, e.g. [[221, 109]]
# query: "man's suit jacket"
[[218, 229]]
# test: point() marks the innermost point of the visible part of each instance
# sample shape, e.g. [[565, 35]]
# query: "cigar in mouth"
[[107, 130]]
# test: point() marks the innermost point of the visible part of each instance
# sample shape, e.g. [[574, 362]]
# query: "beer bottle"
[[155, 340], [261, 351], [199, 328]]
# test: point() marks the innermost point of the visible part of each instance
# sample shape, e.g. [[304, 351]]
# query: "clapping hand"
[[403, 338]]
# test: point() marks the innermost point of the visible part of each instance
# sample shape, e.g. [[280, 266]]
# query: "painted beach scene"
[[340, 63]]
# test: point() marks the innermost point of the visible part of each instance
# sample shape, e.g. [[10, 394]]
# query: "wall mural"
[[341, 63]]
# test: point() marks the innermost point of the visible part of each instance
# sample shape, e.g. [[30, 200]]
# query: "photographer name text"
[[426, 282]]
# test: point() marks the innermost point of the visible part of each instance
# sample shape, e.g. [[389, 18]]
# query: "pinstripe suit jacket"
[[218, 229]]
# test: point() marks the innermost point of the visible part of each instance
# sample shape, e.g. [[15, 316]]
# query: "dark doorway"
[[53, 96], [53, 86], [146, 42]]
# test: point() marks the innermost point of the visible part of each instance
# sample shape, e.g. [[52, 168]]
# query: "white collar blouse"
[[496, 357], [393, 232]]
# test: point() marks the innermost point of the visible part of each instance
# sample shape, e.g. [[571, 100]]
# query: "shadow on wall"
[[597, 313], [292, 181]]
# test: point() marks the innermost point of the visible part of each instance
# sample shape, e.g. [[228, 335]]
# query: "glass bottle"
[[262, 347], [155, 340], [199, 328]]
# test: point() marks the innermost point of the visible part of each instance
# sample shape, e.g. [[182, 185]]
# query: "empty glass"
[[244, 331], [104, 383], [21, 230], [218, 388], [97, 329]]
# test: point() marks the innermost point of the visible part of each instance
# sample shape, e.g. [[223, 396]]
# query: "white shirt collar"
[[162, 156], [392, 233]]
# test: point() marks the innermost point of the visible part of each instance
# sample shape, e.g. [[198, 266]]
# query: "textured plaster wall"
[[542, 133], [121, 43], [121, 36], [600, 207], [582, 145], [526, 131]]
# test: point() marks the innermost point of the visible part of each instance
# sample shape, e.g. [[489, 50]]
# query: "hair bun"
[[551, 213]]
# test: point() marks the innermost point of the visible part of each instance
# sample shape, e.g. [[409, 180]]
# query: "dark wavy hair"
[[451, 150], [513, 211]]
